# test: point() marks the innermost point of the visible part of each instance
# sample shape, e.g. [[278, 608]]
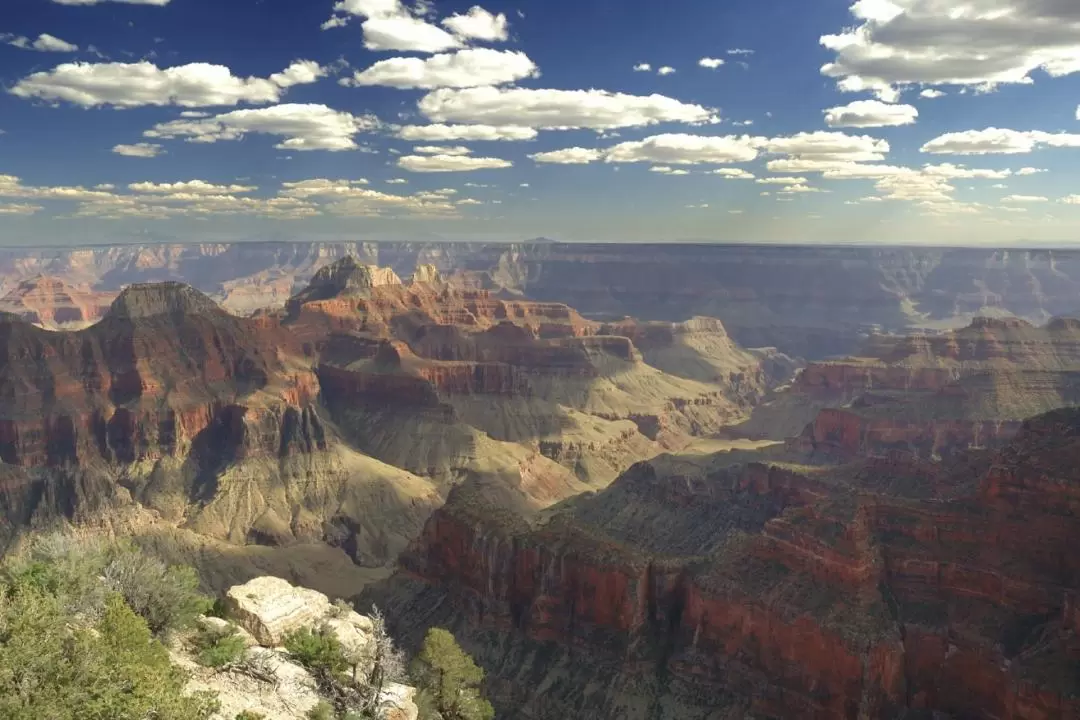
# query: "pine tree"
[[449, 680]]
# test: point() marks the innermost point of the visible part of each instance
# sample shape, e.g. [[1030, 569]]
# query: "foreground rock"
[[266, 681]]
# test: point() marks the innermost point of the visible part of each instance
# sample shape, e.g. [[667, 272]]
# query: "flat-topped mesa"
[[427, 274], [157, 299]]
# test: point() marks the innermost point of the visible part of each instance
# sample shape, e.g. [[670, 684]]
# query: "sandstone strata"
[[688, 587]]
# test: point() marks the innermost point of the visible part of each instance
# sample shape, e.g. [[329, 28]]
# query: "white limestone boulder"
[[270, 608]]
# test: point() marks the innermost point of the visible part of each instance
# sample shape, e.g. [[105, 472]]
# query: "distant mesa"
[[346, 277], [167, 298]]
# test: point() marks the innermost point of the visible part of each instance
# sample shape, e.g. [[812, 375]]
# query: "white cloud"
[[139, 150], [450, 163], [1000, 186], [557, 109], [740, 51], [800, 188], [479, 24], [980, 43], [743, 123], [304, 127], [469, 201], [1024, 199], [947, 170], [1030, 171], [931, 94], [643, 67], [682, 149], [665, 170], [44, 43], [1071, 199], [435, 133], [997, 141], [466, 68], [821, 151], [11, 186], [441, 150], [390, 25], [301, 72], [870, 113], [194, 187], [782, 181], [666, 70], [568, 156], [18, 209], [397, 181], [732, 173], [711, 63], [143, 83]]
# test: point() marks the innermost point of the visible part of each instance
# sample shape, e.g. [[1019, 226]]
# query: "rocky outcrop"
[[278, 688], [698, 587], [270, 608]]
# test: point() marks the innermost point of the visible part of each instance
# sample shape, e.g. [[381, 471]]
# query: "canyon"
[[638, 482]]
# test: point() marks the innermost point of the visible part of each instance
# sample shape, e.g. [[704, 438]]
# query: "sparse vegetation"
[[218, 648], [250, 715], [72, 647]]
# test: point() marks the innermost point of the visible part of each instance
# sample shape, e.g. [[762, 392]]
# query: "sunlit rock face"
[[883, 588]]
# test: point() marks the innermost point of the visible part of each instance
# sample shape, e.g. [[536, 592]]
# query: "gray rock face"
[[168, 298]]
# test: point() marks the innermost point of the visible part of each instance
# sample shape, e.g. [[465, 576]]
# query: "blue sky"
[[914, 121]]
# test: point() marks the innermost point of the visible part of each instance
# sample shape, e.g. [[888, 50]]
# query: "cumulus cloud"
[[139, 84], [682, 149], [710, 63], [643, 67], [557, 109], [450, 163], [870, 113], [19, 209], [479, 24], [195, 187], [782, 181], [1030, 171], [1071, 199], [44, 43], [301, 72], [568, 156], [139, 150], [732, 173], [303, 127], [439, 132], [391, 25], [666, 70], [931, 94], [947, 170], [997, 141], [1024, 199], [932, 42], [467, 68], [821, 151], [441, 150], [665, 170], [740, 51]]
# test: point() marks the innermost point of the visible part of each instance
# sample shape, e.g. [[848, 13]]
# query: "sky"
[[877, 121]]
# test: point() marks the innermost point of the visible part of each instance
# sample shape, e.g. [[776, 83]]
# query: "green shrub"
[[168, 598], [322, 711], [218, 648], [52, 665], [318, 650], [250, 715]]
